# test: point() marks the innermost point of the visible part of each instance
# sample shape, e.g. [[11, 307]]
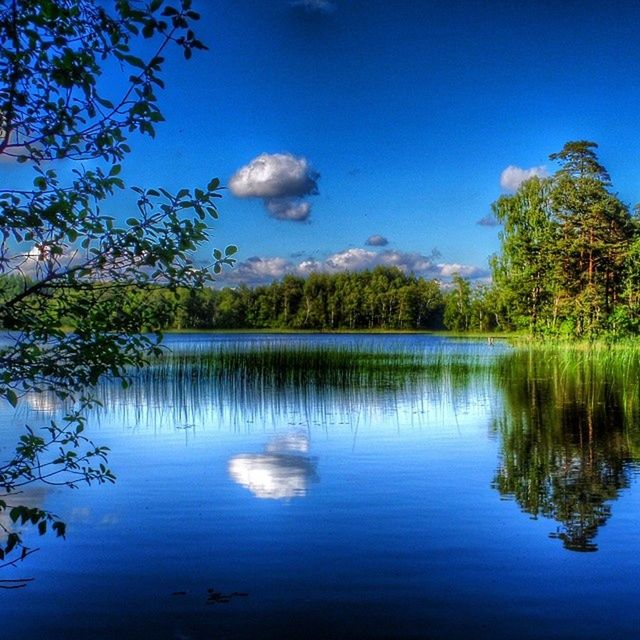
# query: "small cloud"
[[488, 221], [258, 270], [288, 209], [282, 180], [512, 177], [276, 175], [314, 6], [376, 241]]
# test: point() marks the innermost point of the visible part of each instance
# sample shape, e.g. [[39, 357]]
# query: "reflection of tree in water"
[[568, 442]]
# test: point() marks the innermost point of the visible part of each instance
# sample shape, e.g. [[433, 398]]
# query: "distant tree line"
[[382, 298], [568, 266]]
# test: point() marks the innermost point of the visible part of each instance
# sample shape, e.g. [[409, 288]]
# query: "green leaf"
[[103, 102], [134, 61], [11, 396], [12, 540]]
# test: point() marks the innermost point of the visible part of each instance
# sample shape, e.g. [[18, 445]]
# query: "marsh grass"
[[587, 374], [275, 375], [311, 366], [252, 381], [254, 384]]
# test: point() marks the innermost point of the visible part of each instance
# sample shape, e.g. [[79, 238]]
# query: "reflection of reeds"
[[589, 375], [250, 383]]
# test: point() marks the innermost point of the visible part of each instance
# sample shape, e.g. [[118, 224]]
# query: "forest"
[[569, 262], [568, 266]]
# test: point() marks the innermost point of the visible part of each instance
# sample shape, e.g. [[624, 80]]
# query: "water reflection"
[[282, 472], [568, 427], [569, 443], [42, 402]]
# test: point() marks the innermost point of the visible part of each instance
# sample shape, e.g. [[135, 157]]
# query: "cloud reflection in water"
[[284, 471]]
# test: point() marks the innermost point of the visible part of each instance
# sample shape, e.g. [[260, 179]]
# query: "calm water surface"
[[449, 508]]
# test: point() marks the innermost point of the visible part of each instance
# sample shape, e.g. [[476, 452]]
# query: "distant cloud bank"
[[512, 177], [262, 270], [376, 241], [281, 180]]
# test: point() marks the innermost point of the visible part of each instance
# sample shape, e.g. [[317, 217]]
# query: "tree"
[[79, 305], [566, 246], [524, 270], [457, 305], [595, 234]]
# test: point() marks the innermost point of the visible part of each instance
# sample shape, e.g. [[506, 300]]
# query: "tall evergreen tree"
[[566, 242], [595, 233]]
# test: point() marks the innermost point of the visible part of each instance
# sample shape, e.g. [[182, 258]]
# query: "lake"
[[486, 495]]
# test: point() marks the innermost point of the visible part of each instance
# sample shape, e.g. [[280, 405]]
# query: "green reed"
[[589, 374], [314, 366], [250, 382], [569, 433]]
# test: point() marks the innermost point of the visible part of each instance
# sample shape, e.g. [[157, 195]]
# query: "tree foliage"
[[567, 258], [74, 280], [383, 298]]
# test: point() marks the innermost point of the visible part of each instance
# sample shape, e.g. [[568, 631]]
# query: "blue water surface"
[[369, 515]]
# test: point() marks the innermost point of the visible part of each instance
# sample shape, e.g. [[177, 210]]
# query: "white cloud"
[[376, 241], [350, 260], [276, 175], [256, 270], [464, 270], [512, 177], [281, 180], [288, 209], [262, 270]]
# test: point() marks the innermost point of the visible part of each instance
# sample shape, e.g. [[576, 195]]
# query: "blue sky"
[[361, 118]]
